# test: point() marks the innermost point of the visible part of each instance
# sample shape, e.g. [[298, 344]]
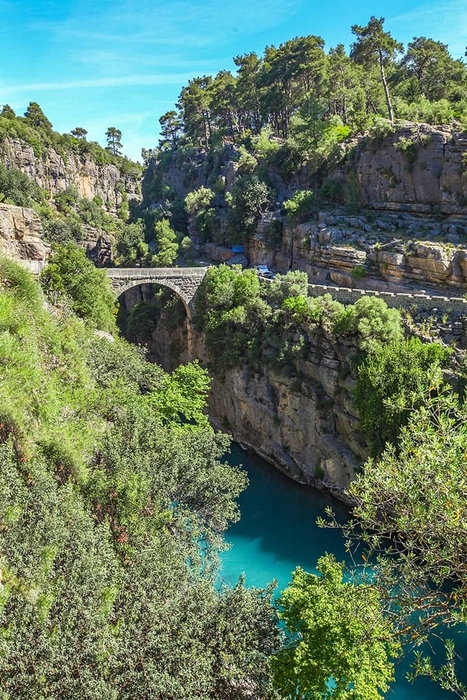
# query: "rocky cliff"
[[399, 251], [55, 172], [417, 168], [305, 425], [406, 187], [300, 418], [21, 234]]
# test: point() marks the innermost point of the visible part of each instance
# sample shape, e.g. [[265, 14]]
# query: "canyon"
[[408, 235]]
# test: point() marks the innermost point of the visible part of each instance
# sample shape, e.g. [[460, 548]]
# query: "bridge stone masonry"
[[182, 280]]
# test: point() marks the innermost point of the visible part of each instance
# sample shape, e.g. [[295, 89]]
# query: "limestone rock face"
[[430, 261], [302, 421], [54, 173], [418, 169], [21, 234], [364, 252], [307, 427]]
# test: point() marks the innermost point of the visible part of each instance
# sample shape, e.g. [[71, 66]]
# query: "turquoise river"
[[278, 532]]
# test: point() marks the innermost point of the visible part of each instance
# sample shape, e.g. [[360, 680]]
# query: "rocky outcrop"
[[21, 234], [418, 168], [396, 251], [304, 424], [55, 172]]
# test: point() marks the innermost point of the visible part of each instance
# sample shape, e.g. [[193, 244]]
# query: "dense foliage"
[[113, 501], [66, 216], [341, 646], [278, 125], [408, 516], [71, 278], [299, 84], [246, 321], [408, 524], [394, 380]]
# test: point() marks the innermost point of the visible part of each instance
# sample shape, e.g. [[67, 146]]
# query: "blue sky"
[[101, 63]]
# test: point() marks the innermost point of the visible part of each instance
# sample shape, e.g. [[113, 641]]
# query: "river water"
[[278, 532]]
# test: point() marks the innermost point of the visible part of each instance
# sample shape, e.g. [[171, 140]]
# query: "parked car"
[[264, 271]]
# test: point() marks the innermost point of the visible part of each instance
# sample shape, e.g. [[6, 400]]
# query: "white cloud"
[[109, 82], [442, 21]]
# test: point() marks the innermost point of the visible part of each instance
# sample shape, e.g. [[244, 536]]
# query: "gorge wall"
[[55, 172], [21, 234], [406, 187], [300, 418], [305, 424]]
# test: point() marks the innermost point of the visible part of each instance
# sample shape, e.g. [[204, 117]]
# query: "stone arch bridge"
[[182, 280]]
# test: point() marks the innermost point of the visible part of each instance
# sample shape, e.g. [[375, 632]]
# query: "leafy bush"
[[63, 230], [199, 199], [263, 145], [371, 322], [328, 619], [247, 163], [273, 233], [393, 381], [298, 208], [110, 477], [18, 189], [71, 276], [250, 197], [331, 191], [131, 246], [18, 282], [198, 204], [167, 246], [246, 322], [292, 284]]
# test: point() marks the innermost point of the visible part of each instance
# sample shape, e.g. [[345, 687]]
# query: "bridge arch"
[[184, 281]]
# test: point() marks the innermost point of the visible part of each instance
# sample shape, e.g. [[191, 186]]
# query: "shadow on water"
[[277, 532]]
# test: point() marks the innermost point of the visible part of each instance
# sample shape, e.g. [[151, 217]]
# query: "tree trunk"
[[386, 89]]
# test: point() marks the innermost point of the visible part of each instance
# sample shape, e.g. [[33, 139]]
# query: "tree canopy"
[[113, 500], [287, 80], [341, 646]]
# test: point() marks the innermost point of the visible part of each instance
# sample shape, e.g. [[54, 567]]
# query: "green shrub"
[[199, 199], [71, 276], [263, 144], [19, 282], [358, 271], [273, 233], [247, 163], [18, 189], [371, 322], [298, 208], [131, 246], [167, 246], [394, 380], [250, 198]]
